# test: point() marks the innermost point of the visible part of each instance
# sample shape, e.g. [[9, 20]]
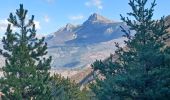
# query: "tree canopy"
[[142, 69]]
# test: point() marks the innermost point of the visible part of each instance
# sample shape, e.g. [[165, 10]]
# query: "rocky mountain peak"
[[69, 27], [98, 18]]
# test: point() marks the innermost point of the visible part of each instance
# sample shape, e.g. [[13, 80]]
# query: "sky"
[[50, 15]]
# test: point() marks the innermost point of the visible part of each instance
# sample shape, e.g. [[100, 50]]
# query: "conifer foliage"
[[142, 70], [26, 74], [65, 89]]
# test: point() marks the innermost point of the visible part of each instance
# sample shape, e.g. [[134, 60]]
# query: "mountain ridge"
[[96, 26], [78, 46], [98, 18]]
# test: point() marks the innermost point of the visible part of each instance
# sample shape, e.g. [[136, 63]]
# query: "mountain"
[[78, 46], [96, 29], [62, 35], [75, 46], [96, 18]]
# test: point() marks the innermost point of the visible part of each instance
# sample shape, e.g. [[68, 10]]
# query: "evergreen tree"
[[26, 70], [142, 70], [65, 89]]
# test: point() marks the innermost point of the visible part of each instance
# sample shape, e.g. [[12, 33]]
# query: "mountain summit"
[[98, 18], [95, 29], [79, 45]]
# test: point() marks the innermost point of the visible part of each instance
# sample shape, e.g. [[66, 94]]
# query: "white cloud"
[[3, 26], [95, 3], [4, 23], [46, 19], [37, 24], [39, 36], [76, 17]]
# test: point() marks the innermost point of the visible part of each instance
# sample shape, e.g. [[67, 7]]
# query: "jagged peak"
[[67, 27], [98, 18]]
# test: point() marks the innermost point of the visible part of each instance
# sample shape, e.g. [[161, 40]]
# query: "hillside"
[[168, 23]]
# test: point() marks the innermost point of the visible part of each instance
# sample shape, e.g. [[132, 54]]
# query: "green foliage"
[[26, 68], [142, 70], [64, 89]]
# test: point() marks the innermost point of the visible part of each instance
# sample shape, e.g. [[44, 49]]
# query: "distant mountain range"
[[95, 30], [80, 45], [77, 46]]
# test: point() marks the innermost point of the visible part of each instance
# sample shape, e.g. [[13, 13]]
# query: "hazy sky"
[[53, 14]]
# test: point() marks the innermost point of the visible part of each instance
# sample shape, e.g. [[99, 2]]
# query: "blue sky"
[[53, 14]]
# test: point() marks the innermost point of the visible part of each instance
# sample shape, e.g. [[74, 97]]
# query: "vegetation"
[[142, 69], [26, 70], [65, 89], [140, 72]]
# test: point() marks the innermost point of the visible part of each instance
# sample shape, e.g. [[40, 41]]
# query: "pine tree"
[[65, 89], [26, 70], [142, 70]]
